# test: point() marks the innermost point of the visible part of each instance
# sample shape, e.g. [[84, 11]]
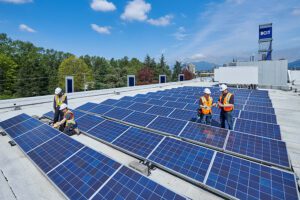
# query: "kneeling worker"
[[68, 123], [226, 104], [59, 99], [205, 105]]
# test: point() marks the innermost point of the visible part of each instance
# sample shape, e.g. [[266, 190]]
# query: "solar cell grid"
[[88, 121], [184, 115], [248, 180], [172, 104], [265, 149], [49, 115], [260, 109], [140, 100], [124, 104], [118, 113], [156, 102], [184, 158], [159, 110], [110, 102], [191, 106], [127, 98], [140, 107], [101, 109], [81, 175], [167, 125], [166, 98], [139, 118], [185, 100], [23, 127], [14, 120], [138, 141], [53, 152], [155, 96], [87, 106], [262, 117], [257, 103], [78, 114], [128, 184]]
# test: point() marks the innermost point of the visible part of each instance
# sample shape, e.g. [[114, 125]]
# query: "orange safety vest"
[[60, 100], [70, 121], [206, 103], [226, 101]]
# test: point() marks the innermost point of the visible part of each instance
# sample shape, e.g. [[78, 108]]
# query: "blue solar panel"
[[265, 149], [36, 137], [140, 107], [184, 158], [49, 115], [83, 174], [53, 152], [108, 130], [169, 98], [205, 134], [14, 120], [140, 100], [258, 103], [247, 180], [156, 102], [159, 110], [87, 106], [262, 117], [128, 184], [77, 114], [23, 127], [138, 141], [110, 102], [101, 109], [191, 106], [258, 128], [141, 96], [138, 118], [260, 109], [184, 115], [167, 125], [124, 104], [155, 96], [127, 98], [175, 104], [88, 121], [185, 100], [118, 113]]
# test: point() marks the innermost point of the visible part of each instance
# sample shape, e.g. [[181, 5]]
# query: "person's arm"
[[57, 124], [66, 100], [54, 103]]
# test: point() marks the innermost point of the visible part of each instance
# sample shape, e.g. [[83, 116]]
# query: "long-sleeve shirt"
[[54, 102]]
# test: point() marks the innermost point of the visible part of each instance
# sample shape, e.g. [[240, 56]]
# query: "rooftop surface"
[[20, 179]]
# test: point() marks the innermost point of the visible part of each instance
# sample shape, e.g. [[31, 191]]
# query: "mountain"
[[294, 65], [204, 66]]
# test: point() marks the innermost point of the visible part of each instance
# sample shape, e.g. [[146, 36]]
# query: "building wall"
[[295, 76], [237, 75]]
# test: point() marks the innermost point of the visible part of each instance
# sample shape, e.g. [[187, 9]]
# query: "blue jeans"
[[226, 116], [205, 119]]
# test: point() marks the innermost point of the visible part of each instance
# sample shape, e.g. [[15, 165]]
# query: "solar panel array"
[[78, 171]]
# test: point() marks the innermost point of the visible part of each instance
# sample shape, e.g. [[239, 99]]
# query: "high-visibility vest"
[[70, 121], [226, 102], [208, 103], [60, 100]]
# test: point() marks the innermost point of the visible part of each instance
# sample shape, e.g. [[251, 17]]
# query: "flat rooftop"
[[20, 179]]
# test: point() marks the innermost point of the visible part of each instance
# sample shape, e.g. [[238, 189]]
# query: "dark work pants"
[[226, 116], [205, 119], [58, 115]]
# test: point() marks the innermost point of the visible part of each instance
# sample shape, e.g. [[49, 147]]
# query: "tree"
[[145, 75], [176, 71], [7, 75], [76, 67], [188, 75]]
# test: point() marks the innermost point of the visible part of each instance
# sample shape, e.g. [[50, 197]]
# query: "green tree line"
[[27, 70]]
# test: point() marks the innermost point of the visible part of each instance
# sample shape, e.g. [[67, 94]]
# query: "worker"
[[205, 105], [59, 99], [226, 104], [68, 122]]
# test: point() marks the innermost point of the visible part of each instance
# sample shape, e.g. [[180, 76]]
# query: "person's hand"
[[56, 125], [214, 104], [220, 104]]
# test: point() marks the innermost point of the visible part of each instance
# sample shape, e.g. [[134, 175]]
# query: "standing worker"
[[226, 104], [59, 99], [67, 124], [205, 105]]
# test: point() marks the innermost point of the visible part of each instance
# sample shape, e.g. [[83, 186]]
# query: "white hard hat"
[[58, 91], [223, 87], [63, 106], [207, 91]]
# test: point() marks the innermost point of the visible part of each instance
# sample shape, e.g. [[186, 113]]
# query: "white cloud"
[[197, 57], [162, 21], [25, 28], [16, 1], [102, 5], [101, 29], [296, 12], [136, 10], [180, 34]]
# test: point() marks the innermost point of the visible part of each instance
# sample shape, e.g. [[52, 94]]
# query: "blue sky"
[[184, 30]]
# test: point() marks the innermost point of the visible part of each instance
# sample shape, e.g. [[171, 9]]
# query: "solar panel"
[[138, 141], [154, 96], [101, 109], [259, 109], [124, 104], [77, 114], [184, 115], [108, 130], [262, 117], [185, 100], [14, 120], [110, 102], [36, 137], [257, 103], [139, 118], [88, 121], [128, 184], [175, 104], [139, 107], [141, 96], [169, 98], [140, 100], [191, 106], [205, 134], [247, 180], [23, 127], [127, 98], [159, 110], [167, 125], [53, 152], [258, 128], [49, 115], [265, 149], [182, 157], [81, 175], [118, 113], [87, 106], [156, 102]]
